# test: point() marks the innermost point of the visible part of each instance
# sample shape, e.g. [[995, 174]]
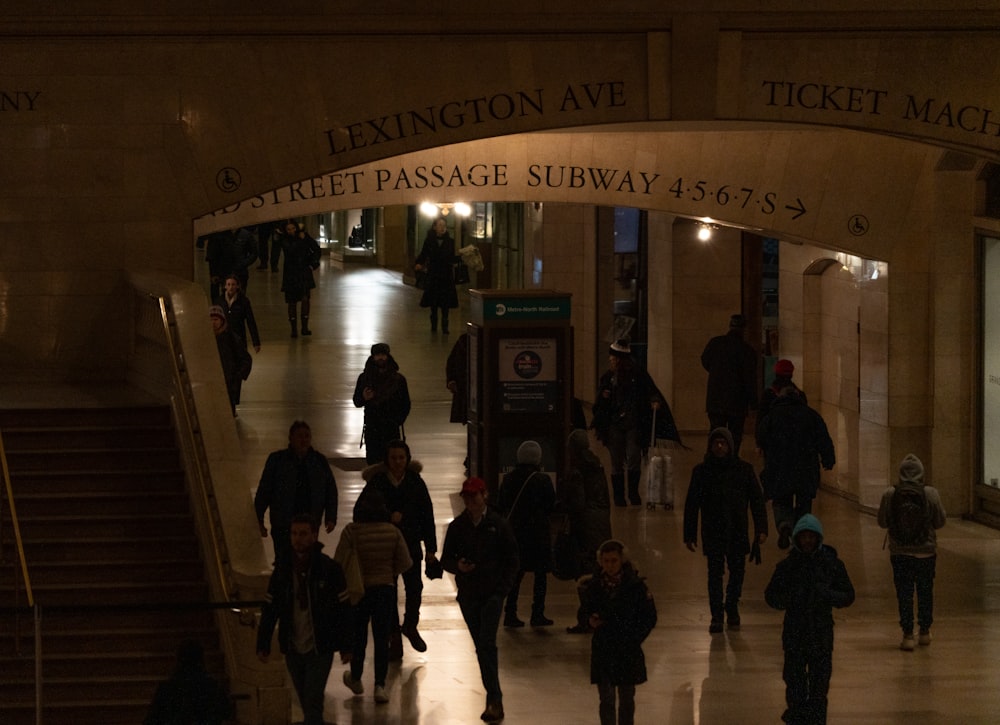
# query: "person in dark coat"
[[397, 480], [302, 255], [783, 370], [527, 498], [795, 441], [618, 607], [723, 489], [236, 361], [191, 695], [437, 261], [244, 255], [457, 378], [221, 255], [623, 411], [239, 312], [381, 390], [807, 585], [583, 496], [296, 480], [480, 550], [307, 600], [731, 364]]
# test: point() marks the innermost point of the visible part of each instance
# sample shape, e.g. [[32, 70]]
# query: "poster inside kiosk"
[[528, 374]]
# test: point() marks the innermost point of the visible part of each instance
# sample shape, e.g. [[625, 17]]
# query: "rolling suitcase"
[[659, 474]]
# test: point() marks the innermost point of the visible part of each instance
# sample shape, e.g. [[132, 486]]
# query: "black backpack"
[[909, 522]]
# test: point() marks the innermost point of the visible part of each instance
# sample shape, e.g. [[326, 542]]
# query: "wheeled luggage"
[[659, 474]]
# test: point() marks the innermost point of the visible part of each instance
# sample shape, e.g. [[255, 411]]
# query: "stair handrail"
[[190, 427], [18, 542], [29, 592]]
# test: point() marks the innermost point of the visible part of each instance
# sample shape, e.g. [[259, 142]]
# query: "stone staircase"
[[114, 562]]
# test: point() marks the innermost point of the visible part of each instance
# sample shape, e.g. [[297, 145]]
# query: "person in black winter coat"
[[296, 480], [618, 607], [307, 595], [527, 498], [807, 585], [731, 364], [623, 419], [795, 441], [783, 370], [239, 312], [302, 255], [381, 390], [723, 488], [480, 550], [583, 496], [236, 361], [397, 480], [437, 260]]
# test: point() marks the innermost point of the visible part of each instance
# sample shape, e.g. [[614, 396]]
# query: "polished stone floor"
[[694, 678]]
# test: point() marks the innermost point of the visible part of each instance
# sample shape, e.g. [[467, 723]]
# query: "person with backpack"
[[912, 511]]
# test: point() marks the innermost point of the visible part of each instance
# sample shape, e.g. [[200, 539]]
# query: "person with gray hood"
[[807, 585], [912, 511], [723, 489]]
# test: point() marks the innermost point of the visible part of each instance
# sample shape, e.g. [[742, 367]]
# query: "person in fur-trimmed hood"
[[397, 478], [913, 555]]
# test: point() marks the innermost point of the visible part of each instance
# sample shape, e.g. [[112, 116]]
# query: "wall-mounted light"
[[444, 208]]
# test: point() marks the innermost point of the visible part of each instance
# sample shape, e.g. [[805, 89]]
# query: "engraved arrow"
[[801, 208]]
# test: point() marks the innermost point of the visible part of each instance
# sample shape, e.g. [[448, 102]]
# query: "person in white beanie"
[[526, 499], [912, 511]]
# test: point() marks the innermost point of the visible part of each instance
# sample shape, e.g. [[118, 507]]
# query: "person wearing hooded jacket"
[[807, 585], [397, 480], [795, 442], [723, 488], [381, 390], [914, 564]]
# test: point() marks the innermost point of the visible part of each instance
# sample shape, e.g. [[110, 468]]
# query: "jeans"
[[309, 673], [626, 703], [378, 605], [911, 573], [482, 617]]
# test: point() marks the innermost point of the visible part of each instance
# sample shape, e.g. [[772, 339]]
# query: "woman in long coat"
[[437, 261]]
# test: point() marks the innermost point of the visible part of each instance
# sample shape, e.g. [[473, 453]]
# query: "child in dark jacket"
[[807, 584], [616, 604]]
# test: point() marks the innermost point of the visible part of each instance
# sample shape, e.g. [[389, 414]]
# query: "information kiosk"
[[520, 379]]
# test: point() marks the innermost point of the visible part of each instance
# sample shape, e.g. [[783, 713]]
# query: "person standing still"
[[381, 390], [437, 260], [296, 480], [731, 364], [480, 550], [307, 599], [912, 512]]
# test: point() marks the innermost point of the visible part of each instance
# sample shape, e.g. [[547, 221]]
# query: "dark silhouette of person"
[[732, 380], [437, 260], [190, 695]]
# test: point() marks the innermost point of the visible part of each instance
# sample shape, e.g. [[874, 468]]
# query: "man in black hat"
[[623, 411], [381, 390], [732, 380]]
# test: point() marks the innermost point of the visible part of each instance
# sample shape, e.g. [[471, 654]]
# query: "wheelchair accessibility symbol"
[[858, 225], [228, 179]]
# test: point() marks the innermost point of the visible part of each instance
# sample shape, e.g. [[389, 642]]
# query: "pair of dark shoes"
[[416, 641], [716, 626], [493, 712]]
